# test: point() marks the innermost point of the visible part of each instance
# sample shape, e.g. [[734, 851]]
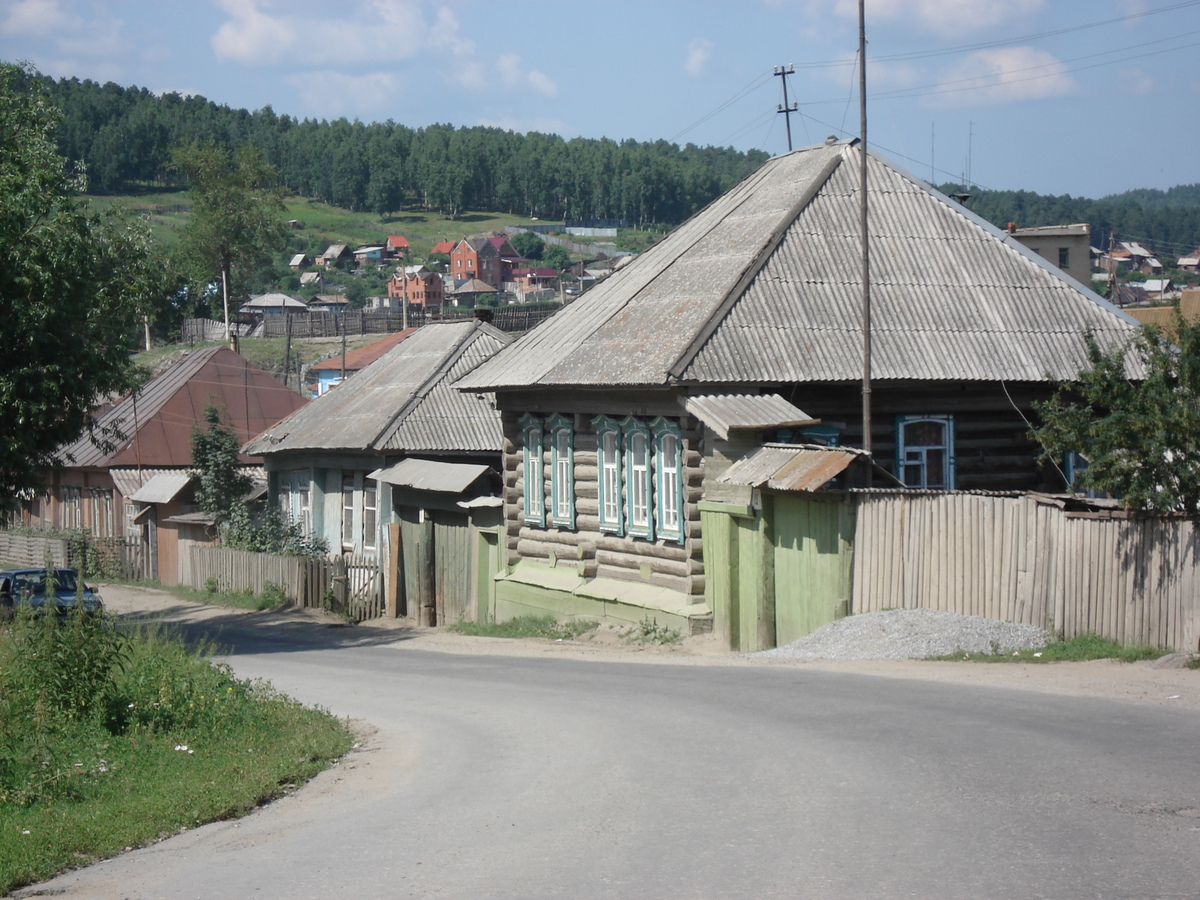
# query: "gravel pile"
[[910, 634]]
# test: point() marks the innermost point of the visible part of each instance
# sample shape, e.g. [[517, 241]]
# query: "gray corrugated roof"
[[402, 399], [162, 488], [724, 413], [763, 286], [431, 475]]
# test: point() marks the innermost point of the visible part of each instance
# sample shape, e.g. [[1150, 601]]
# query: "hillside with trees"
[[123, 137]]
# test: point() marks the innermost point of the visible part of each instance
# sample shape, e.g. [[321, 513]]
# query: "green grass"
[[271, 598], [111, 740], [1077, 649], [528, 627], [648, 631]]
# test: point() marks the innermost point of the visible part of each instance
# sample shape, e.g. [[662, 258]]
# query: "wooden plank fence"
[[1136, 581], [349, 585], [94, 557]]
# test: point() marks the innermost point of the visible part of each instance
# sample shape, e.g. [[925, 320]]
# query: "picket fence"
[[348, 585], [1023, 559]]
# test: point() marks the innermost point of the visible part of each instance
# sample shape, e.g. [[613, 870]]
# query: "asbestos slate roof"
[[403, 400], [763, 286]]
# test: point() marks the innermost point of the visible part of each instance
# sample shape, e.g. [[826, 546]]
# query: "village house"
[[129, 476], [334, 255], [396, 245], [740, 334], [420, 286], [1067, 246], [399, 471]]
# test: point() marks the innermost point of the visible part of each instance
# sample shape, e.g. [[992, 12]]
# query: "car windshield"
[[35, 583]]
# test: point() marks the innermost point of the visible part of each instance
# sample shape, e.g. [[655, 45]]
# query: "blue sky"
[[1086, 97]]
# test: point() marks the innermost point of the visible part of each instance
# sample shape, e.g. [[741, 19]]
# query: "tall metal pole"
[[866, 256], [787, 108]]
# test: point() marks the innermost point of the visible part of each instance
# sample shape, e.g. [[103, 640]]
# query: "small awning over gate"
[[431, 475], [791, 467], [724, 413], [162, 488]]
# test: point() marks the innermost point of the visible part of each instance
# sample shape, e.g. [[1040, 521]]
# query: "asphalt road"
[[496, 776]]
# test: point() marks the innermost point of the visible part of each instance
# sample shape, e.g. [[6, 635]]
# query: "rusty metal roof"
[[724, 413], [764, 285], [153, 426], [431, 475], [402, 400], [791, 467]]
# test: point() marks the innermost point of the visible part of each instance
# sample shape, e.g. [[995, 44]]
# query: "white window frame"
[[668, 479], [304, 506], [533, 462], [639, 479], [608, 475], [370, 515], [562, 470], [347, 535], [916, 456]]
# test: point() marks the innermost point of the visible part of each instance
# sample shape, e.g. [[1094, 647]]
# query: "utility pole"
[[786, 108], [866, 256]]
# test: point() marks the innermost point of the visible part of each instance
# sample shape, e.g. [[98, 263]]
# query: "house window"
[[1064, 257], [132, 528], [535, 487], [562, 473], [347, 512], [638, 478], [369, 516], [608, 473], [925, 451], [71, 514], [304, 497], [285, 499], [668, 479]]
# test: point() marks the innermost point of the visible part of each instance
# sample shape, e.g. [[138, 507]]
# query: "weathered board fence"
[[94, 557], [348, 585], [1023, 559]]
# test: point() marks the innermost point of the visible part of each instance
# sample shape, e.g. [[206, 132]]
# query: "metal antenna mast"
[[787, 108]]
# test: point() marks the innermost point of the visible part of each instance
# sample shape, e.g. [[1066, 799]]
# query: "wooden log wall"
[[1136, 581], [663, 563]]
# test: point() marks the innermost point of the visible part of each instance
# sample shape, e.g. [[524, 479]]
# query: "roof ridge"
[[778, 233]]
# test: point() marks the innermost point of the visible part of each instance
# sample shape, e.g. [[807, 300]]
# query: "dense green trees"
[[74, 289], [124, 135]]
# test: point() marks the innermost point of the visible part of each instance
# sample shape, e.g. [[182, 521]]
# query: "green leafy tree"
[[1141, 439], [73, 291], [236, 219], [222, 481], [528, 244], [556, 257]]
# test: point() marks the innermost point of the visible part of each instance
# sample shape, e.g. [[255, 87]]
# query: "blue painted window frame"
[[562, 470], [532, 467], [668, 479], [639, 484], [904, 452], [608, 475]]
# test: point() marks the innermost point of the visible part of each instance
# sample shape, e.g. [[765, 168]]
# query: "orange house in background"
[[422, 287]]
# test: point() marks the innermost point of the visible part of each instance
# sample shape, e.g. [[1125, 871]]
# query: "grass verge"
[[110, 740], [272, 597], [528, 627], [1077, 649]]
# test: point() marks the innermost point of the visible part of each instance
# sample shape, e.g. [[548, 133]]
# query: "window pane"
[[640, 469], [925, 434]]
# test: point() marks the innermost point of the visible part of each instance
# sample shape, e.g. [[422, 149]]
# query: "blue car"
[[28, 586]]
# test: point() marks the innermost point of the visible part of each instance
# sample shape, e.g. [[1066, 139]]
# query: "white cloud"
[[84, 33], [542, 83], [336, 94], [944, 17], [1003, 76], [36, 18], [1135, 82], [508, 71], [699, 52], [252, 37]]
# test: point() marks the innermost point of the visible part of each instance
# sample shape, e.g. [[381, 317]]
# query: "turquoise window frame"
[[668, 479], [638, 483], [533, 469], [562, 470], [947, 445], [609, 479]]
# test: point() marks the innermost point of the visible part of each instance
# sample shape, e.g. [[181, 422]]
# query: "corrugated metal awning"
[[162, 488], [431, 475], [129, 481], [788, 467], [724, 413]]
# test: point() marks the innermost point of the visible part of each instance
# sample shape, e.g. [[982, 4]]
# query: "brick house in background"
[[422, 287], [481, 258]]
